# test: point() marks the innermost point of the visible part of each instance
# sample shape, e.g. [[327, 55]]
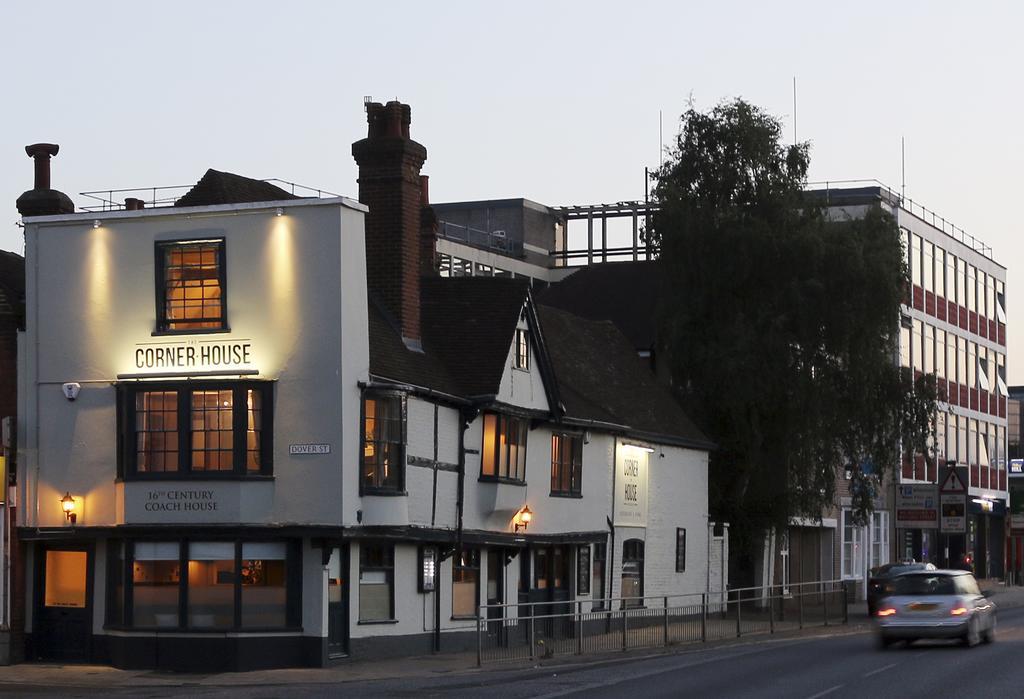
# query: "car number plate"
[[922, 606]]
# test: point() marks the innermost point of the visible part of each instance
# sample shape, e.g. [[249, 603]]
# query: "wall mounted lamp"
[[522, 519], [279, 211], [67, 503]]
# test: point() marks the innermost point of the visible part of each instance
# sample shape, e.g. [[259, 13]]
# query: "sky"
[[560, 102]]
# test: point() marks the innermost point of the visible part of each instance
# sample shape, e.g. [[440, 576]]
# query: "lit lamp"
[[523, 518], [67, 503]]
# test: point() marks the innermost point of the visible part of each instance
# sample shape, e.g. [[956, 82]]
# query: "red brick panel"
[[1002, 480], [963, 397], [974, 399], [1002, 334], [963, 318], [974, 476], [931, 472], [940, 308], [972, 324], [993, 331], [918, 298], [929, 303]]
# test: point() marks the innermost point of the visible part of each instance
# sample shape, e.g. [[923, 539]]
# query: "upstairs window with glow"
[[504, 449], [383, 452], [191, 286], [522, 359], [196, 429]]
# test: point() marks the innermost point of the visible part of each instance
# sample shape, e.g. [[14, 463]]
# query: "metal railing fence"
[[532, 630]]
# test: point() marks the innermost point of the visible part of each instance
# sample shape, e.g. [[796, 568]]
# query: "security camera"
[[71, 390]]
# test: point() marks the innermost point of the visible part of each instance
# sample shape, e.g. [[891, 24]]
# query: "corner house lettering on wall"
[[181, 501], [193, 354], [631, 487]]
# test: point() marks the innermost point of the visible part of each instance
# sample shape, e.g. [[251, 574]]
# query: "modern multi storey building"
[[953, 326], [259, 430]]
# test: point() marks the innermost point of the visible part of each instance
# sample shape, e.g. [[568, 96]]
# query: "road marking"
[[827, 691], [881, 669]]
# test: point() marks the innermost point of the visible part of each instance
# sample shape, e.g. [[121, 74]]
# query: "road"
[[843, 664]]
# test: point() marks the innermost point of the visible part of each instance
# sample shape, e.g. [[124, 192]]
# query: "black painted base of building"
[[199, 653]]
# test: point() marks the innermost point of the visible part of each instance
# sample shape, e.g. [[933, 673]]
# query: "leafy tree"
[[781, 323]]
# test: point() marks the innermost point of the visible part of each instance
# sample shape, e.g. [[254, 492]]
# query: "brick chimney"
[[41, 200], [428, 230], [389, 184]]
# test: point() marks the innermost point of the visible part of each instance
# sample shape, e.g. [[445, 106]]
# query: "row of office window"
[[969, 441], [947, 355], [950, 277]]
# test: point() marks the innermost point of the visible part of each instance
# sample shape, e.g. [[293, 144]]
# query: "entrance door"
[[337, 602], [495, 588], [62, 627]]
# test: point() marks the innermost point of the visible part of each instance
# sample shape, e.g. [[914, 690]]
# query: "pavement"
[[54, 675]]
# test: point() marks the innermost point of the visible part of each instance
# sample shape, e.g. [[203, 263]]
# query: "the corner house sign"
[[192, 355], [630, 486]]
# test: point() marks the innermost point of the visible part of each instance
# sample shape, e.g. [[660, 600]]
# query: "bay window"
[[384, 436], [503, 456]]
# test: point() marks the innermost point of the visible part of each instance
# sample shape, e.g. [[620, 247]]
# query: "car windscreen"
[[925, 585]]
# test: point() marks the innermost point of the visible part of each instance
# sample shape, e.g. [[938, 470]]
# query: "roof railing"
[[155, 197], [913, 208]]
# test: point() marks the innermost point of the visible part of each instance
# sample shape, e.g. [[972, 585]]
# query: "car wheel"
[[883, 642], [972, 637], [990, 633]]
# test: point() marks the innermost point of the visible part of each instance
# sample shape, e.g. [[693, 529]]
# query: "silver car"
[[936, 604]]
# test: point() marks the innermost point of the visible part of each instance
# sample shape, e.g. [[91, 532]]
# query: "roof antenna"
[[661, 143], [366, 102], [794, 111], [903, 167]]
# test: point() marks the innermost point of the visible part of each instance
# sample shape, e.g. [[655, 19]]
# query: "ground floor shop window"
[[376, 582], [632, 572], [216, 585], [465, 583]]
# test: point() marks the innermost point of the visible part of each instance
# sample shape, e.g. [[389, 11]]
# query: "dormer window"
[[522, 360], [191, 286]]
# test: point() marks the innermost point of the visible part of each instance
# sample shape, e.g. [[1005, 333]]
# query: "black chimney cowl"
[[41, 200]]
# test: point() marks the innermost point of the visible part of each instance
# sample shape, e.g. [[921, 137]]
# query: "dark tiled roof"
[[391, 360], [601, 378], [468, 328], [469, 324], [626, 293], [226, 188], [12, 274], [12, 287]]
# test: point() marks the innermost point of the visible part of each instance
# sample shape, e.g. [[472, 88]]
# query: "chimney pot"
[[41, 200], [133, 204], [424, 190], [41, 153]]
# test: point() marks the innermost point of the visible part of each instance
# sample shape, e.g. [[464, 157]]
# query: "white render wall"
[[295, 290]]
